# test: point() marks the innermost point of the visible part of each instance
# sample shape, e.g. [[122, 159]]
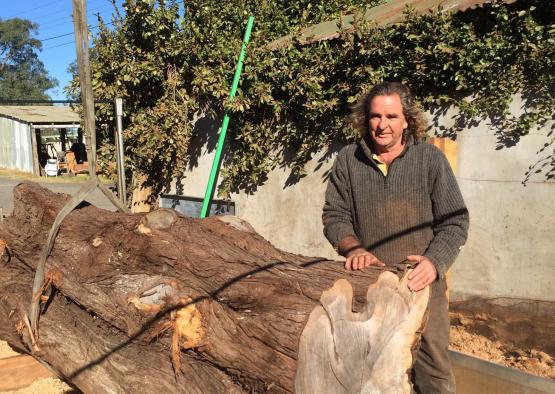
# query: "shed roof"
[[384, 14], [40, 114]]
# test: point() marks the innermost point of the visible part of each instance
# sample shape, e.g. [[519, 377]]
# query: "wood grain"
[[20, 371], [367, 352]]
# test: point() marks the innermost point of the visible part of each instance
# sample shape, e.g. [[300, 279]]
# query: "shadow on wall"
[[508, 131], [324, 160], [205, 139]]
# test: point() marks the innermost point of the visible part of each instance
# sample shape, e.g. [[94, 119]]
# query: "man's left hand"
[[423, 274]]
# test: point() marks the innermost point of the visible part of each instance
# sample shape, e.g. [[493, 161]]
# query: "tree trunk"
[[139, 296]]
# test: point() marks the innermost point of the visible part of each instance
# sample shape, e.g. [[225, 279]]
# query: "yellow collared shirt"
[[381, 165]]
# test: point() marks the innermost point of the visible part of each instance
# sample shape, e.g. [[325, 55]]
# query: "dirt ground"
[[529, 360], [512, 332]]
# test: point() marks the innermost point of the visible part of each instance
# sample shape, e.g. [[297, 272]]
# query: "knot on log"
[[153, 297], [237, 223], [160, 219], [163, 295], [342, 351]]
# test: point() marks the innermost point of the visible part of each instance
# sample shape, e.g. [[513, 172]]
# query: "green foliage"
[[293, 102], [22, 74]]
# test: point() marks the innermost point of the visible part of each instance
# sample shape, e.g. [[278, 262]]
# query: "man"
[[392, 198]]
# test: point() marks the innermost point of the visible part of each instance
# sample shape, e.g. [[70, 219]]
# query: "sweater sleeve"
[[451, 217], [336, 216]]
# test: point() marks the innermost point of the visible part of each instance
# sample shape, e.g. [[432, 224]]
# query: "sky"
[[56, 31]]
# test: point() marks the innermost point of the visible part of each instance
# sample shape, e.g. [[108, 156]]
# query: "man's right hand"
[[360, 258]]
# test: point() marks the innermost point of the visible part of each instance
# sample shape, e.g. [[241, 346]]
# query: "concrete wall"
[[511, 246], [15, 145]]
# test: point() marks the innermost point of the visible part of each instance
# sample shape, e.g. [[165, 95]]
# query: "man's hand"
[[361, 258], [423, 274]]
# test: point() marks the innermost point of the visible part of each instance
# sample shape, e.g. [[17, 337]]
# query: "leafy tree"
[[174, 65], [22, 74]]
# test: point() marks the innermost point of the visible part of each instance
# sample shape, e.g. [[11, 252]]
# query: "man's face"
[[387, 122]]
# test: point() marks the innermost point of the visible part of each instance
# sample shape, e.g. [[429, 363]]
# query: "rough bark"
[[142, 293]]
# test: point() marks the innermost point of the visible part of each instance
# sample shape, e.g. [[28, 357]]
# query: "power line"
[[21, 14], [56, 22], [71, 33], [34, 9], [53, 38], [38, 101], [60, 45]]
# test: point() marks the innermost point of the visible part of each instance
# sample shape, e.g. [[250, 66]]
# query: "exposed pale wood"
[[141, 194], [342, 351], [20, 371]]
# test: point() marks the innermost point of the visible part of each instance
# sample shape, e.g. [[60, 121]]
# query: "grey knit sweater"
[[417, 209]]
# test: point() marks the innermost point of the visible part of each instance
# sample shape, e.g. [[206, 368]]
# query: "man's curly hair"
[[417, 123]]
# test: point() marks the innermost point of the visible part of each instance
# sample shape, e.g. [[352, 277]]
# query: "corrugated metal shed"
[[16, 150], [388, 13], [19, 142], [40, 114]]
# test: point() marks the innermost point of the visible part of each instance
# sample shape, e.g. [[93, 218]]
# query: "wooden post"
[[35, 152], [449, 149], [141, 194], [82, 45]]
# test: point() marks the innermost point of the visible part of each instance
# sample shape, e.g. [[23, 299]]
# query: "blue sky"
[[54, 20]]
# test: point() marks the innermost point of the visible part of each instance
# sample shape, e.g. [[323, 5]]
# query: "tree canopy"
[[174, 65], [22, 74]]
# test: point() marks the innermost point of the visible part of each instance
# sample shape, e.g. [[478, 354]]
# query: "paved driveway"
[[6, 193]]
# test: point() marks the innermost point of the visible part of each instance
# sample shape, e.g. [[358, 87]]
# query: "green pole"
[[225, 122]]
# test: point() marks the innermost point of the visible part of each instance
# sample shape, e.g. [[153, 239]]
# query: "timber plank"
[[21, 371]]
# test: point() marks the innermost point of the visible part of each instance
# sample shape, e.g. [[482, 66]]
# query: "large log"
[[138, 295]]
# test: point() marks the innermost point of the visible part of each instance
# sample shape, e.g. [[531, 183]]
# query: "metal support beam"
[[119, 151]]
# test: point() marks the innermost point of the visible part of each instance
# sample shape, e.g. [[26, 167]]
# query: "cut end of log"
[[342, 351]]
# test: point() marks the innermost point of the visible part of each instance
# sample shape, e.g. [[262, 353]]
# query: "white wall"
[[511, 246]]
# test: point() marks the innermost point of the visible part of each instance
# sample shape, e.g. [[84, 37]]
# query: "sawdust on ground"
[[533, 361], [39, 386]]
